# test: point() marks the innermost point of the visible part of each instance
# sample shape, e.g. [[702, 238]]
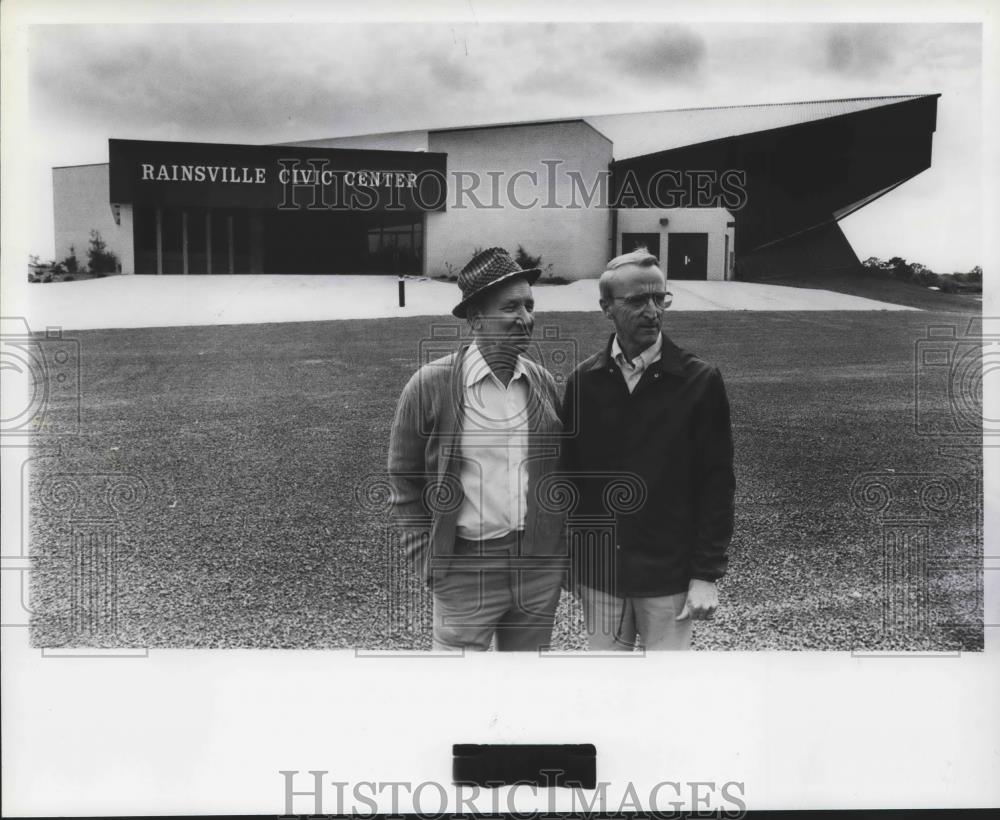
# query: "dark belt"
[[513, 538], [476, 554]]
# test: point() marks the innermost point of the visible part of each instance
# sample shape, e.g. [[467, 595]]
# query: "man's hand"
[[702, 601]]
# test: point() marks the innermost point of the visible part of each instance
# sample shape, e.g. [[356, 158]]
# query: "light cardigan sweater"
[[424, 461]]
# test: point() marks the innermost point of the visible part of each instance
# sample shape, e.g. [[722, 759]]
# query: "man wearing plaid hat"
[[474, 437]]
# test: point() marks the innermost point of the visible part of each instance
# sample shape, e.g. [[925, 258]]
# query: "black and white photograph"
[[475, 344]]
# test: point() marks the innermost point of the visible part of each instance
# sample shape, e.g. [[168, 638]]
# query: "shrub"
[[101, 261], [50, 271], [525, 260], [71, 263], [450, 275]]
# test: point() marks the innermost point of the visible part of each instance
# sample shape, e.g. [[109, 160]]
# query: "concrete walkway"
[[164, 301]]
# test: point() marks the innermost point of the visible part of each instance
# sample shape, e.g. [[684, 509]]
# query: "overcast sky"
[[275, 83]]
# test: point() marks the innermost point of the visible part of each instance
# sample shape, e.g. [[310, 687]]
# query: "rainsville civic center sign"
[[214, 175]]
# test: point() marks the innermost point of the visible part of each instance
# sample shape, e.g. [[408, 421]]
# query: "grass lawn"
[[248, 444]]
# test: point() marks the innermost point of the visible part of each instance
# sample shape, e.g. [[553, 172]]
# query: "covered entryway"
[[206, 208]]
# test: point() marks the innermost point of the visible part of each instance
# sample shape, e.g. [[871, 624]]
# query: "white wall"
[[684, 220], [575, 241], [81, 202], [126, 241]]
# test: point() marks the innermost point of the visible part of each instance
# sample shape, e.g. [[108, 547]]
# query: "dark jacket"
[[672, 440], [425, 456]]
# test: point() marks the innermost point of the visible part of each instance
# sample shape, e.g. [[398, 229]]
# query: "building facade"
[[716, 194]]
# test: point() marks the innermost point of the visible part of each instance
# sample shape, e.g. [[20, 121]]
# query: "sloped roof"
[[638, 134], [635, 135]]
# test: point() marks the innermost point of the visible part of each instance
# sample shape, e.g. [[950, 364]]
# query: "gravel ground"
[[247, 450]]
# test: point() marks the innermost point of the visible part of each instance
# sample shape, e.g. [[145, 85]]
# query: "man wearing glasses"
[[647, 410]]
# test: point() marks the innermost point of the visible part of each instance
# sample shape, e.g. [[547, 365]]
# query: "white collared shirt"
[[633, 370], [493, 472]]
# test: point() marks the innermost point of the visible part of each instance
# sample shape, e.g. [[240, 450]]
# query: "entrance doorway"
[[687, 256]]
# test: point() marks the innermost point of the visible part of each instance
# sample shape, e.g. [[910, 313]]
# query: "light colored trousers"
[[488, 591], [613, 623]]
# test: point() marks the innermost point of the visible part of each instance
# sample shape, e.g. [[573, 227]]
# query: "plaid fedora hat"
[[486, 270]]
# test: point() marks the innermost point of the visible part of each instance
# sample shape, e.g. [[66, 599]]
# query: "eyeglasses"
[[661, 301]]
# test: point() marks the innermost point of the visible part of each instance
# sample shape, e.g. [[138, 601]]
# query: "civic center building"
[[715, 193]]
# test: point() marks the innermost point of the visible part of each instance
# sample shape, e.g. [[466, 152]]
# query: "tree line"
[[918, 274]]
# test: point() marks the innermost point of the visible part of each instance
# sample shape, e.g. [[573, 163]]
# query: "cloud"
[[859, 50], [560, 81], [240, 82], [937, 51], [671, 53], [453, 73]]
